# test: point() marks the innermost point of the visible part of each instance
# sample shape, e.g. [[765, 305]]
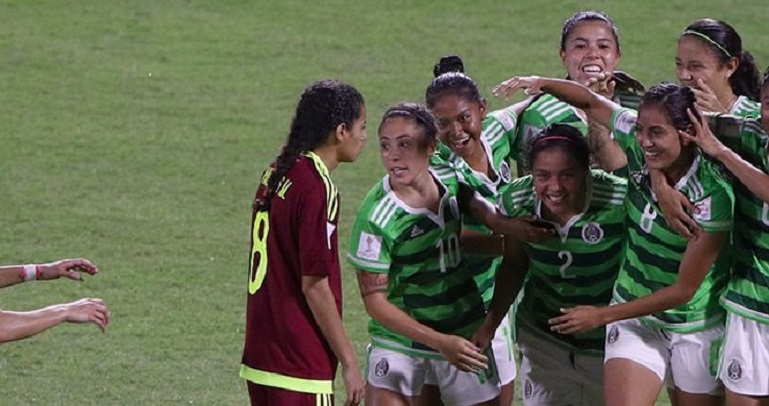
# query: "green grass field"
[[133, 133]]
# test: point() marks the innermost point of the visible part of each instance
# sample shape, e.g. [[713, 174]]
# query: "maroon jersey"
[[295, 237]]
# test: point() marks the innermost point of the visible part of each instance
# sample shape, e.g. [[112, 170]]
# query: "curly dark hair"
[[322, 107]]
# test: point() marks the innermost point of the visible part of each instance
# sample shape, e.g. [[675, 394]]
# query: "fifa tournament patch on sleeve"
[[507, 119], [703, 212], [625, 122], [369, 246]]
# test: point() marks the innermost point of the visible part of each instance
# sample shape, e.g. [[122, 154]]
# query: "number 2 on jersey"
[[569, 259], [258, 266]]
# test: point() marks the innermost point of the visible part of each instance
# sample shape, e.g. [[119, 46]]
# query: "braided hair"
[[322, 107]]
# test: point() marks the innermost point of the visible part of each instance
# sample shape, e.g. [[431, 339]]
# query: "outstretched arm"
[[19, 325], [699, 256], [520, 228], [597, 107], [67, 268]]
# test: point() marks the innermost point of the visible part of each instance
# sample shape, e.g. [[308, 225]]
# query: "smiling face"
[[696, 60], [353, 138], [460, 123], [404, 150], [658, 138], [590, 50], [559, 182]]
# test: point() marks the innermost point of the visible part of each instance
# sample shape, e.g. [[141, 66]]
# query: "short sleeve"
[[512, 202], [316, 233], [369, 249], [716, 210], [623, 123]]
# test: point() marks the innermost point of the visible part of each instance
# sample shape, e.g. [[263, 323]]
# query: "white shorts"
[[405, 374], [744, 367], [552, 375], [504, 355], [687, 361]]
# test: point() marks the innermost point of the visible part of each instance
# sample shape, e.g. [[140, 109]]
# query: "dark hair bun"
[[451, 63]]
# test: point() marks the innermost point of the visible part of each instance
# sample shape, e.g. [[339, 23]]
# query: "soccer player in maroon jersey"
[[294, 332]]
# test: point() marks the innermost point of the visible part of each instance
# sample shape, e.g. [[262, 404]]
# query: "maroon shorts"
[[262, 395]]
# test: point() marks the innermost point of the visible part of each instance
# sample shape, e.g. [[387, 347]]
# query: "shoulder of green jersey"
[[505, 117], [494, 132], [384, 211]]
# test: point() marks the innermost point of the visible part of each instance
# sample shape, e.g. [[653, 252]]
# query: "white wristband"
[[29, 272]]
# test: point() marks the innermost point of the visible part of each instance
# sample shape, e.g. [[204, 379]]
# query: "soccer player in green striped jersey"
[[579, 267], [478, 146], [745, 153], [710, 59], [666, 319], [590, 52], [422, 298]]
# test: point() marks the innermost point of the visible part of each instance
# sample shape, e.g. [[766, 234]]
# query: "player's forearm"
[[570, 92], [19, 325], [755, 180], [477, 243], [322, 304], [608, 153], [597, 107], [396, 320], [11, 275], [666, 298]]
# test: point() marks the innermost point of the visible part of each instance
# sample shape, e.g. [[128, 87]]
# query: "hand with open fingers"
[[67, 268], [463, 354], [354, 385], [577, 320], [601, 84], [530, 84], [89, 310], [703, 136], [706, 99]]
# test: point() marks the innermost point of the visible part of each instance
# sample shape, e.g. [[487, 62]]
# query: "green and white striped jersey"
[[745, 107], [419, 251], [655, 250], [748, 291], [547, 109], [580, 266], [498, 131]]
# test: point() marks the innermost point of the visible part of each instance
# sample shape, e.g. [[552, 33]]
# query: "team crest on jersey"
[[381, 368], [369, 246], [735, 370], [527, 389], [613, 335], [592, 233], [504, 172]]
